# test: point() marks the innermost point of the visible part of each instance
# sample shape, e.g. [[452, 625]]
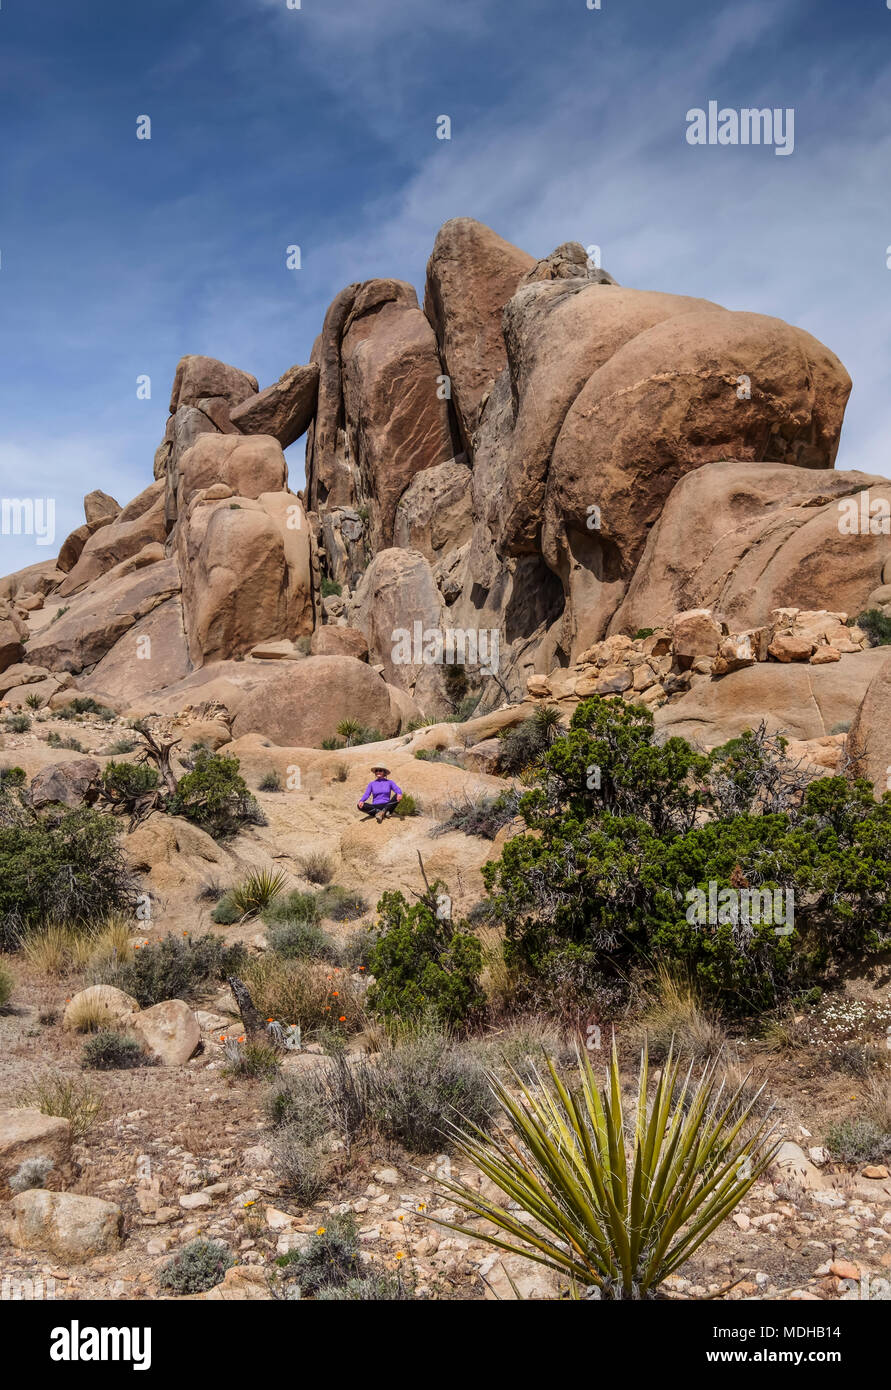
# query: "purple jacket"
[[380, 790]]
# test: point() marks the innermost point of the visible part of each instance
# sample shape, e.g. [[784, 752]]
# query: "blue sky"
[[316, 126]]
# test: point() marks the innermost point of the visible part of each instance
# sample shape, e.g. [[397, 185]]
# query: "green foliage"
[[622, 831], [604, 1213], [200, 1265], [125, 783], [259, 891], [300, 940], [330, 588], [270, 782], [123, 745], [13, 776], [17, 723], [408, 806], [317, 867], [215, 796], [424, 965], [876, 626], [357, 950], [176, 967], [643, 632], [858, 1141], [112, 1051], [7, 985], [67, 869], [296, 907], [340, 904], [73, 1098], [331, 1259], [250, 1060], [351, 733], [225, 914], [483, 816], [85, 704], [56, 741]]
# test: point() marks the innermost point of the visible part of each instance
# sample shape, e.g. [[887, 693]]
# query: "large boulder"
[[100, 507], [13, 631], [745, 538], [198, 377], [65, 1224], [284, 409], [339, 641], [41, 578], [799, 699], [150, 656], [140, 524], [169, 1031], [471, 274], [97, 618], [396, 605], [27, 1133], [302, 702], [247, 465], [869, 738], [247, 577], [435, 513], [396, 415], [329, 476], [63, 783]]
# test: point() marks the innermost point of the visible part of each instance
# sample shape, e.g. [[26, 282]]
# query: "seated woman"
[[381, 796]]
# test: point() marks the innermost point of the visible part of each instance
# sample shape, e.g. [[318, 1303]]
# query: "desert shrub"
[[88, 1016], [258, 891], [85, 704], [33, 701], [60, 613], [32, 1173], [225, 914], [215, 796], [424, 964], [18, 723], [250, 1059], [270, 782], [13, 776], [123, 745], [643, 632], [176, 967], [123, 784], [341, 904], [298, 940], [330, 588], [300, 1160], [858, 1141], [7, 984], [317, 867], [375, 1286], [296, 907], [677, 1019], [330, 1259], [50, 949], [341, 772], [876, 626], [466, 708], [357, 950], [73, 1098], [525, 743], [112, 1051], [353, 733], [421, 1085], [305, 992], [408, 806], [67, 868], [483, 816], [621, 862], [199, 1265]]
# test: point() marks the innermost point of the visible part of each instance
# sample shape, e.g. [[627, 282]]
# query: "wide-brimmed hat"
[[379, 767]]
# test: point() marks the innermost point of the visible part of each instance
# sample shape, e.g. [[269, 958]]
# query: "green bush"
[[357, 950], [124, 783], [225, 914], [67, 869], [421, 1085], [13, 776], [296, 907], [260, 889], [123, 745], [270, 782], [340, 904], [330, 588], [331, 1259], [215, 796], [7, 985], [525, 744], [296, 940], [200, 1265], [17, 723], [408, 806], [375, 1286], [176, 967], [624, 831], [250, 1060], [111, 1051], [876, 626], [424, 965], [85, 704], [858, 1141]]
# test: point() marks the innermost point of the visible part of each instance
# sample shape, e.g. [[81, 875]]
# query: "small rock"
[[875, 1170], [192, 1200], [844, 1269], [388, 1176]]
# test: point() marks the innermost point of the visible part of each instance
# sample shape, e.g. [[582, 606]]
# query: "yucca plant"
[[258, 891], [614, 1206]]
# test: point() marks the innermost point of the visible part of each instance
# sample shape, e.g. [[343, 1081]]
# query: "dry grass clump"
[[677, 1014], [306, 992], [72, 1097]]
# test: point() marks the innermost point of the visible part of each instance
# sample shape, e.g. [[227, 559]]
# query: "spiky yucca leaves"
[[258, 891], [611, 1206]]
